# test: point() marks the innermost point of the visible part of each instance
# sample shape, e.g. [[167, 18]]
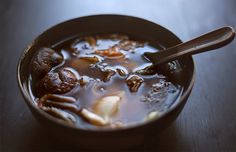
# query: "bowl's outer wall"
[[132, 26]]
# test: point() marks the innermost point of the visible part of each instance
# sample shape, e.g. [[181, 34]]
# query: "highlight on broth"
[[100, 81]]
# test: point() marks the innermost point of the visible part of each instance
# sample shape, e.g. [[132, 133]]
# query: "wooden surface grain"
[[208, 121]]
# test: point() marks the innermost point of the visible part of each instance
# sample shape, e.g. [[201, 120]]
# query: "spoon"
[[209, 41]]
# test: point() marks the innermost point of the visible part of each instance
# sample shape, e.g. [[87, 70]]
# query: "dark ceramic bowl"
[[132, 26]]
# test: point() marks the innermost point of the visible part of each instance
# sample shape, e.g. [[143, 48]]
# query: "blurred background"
[[207, 122]]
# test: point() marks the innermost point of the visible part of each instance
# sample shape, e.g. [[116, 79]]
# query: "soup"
[[100, 81]]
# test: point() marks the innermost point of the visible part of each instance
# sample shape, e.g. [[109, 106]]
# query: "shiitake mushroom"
[[59, 101], [44, 60], [58, 82], [60, 114]]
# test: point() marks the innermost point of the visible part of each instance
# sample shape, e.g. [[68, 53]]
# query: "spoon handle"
[[206, 42]]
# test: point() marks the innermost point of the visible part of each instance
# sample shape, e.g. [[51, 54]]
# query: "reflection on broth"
[[100, 81]]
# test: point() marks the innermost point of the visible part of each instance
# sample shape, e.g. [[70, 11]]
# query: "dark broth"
[[155, 94]]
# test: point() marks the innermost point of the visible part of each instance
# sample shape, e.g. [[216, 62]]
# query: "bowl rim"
[[95, 130]]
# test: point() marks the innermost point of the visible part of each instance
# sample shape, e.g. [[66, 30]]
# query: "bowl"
[[109, 138]]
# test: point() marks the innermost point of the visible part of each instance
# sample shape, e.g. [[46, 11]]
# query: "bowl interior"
[[154, 34]]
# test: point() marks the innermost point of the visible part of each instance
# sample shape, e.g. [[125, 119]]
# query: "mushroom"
[[57, 82], [44, 60], [108, 73], [58, 98], [65, 116], [121, 72], [134, 82], [59, 101]]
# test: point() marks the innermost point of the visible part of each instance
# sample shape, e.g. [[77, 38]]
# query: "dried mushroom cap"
[[44, 60], [58, 82], [108, 73], [134, 82], [60, 114], [122, 72]]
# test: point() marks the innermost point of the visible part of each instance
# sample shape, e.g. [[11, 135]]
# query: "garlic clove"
[[93, 118], [107, 106]]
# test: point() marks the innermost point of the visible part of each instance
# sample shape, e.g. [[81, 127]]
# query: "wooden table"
[[208, 121]]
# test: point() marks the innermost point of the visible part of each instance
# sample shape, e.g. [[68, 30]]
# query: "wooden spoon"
[[203, 43]]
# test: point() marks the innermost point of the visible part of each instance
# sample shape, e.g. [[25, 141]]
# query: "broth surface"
[[103, 66]]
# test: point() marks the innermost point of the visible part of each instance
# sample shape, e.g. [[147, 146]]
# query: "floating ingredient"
[[152, 115], [134, 82], [91, 40], [129, 45], [57, 82], [60, 114], [121, 72], [44, 60], [91, 59], [111, 53], [148, 70], [59, 101], [56, 98], [108, 73], [107, 107], [93, 118]]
